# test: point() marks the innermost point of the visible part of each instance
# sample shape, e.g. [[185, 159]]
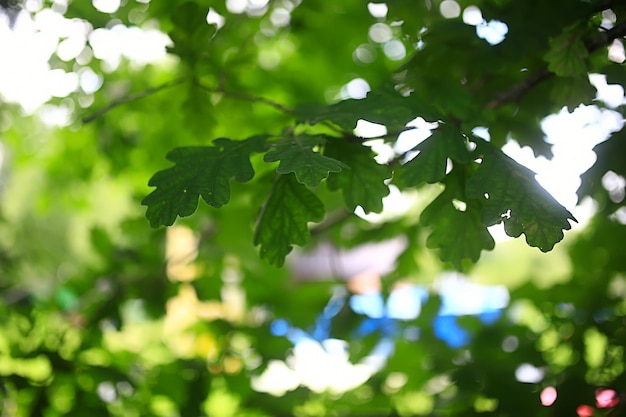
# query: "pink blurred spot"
[[606, 398], [584, 410], [548, 396]]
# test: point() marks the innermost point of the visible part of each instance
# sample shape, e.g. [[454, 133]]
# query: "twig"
[[130, 98], [604, 38], [521, 88], [245, 97], [331, 220]]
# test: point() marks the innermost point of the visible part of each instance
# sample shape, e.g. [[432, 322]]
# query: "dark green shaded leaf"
[[199, 171], [430, 164], [572, 91], [364, 183], [517, 199], [612, 154], [189, 17], [296, 155], [191, 33], [284, 217], [567, 55], [458, 232], [386, 106]]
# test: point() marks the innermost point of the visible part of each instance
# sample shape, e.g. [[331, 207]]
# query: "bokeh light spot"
[[89, 81], [236, 6], [493, 31], [510, 344], [380, 33], [529, 373], [357, 89], [280, 17], [378, 10], [364, 53], [106, 6], [606, 398], [450, 9], [394, 50], [472, 16], [214, 18], [616, 52], [584, 410], [548, 396]]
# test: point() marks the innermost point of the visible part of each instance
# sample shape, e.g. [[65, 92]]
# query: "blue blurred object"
[[447, 329], [279, 327], [370, 304], [490, 317], [391, 319], [387, 326]]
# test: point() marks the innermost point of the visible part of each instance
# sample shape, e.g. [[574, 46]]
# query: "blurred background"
[[102, 315]]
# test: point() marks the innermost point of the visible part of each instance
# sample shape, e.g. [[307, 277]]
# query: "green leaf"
[[385, 106], [364, 183], [516, 198], [458, 232], [199, 171], [296, 155], [430, 164], [567, 55], [572, 92], [189, 17], [284, 217], [191, 34]]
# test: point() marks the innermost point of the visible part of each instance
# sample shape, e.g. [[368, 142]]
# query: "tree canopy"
[[284, 207]]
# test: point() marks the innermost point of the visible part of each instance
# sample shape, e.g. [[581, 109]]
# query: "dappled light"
[[492, 31]]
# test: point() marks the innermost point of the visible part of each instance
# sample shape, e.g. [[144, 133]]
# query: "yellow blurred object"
[[232, 364], [181, 251], [207, 347]]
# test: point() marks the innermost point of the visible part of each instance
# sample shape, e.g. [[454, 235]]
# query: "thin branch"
[[605, 38], [130, 98], [331, 220], [152, 90], [245, 97], [521, 88]]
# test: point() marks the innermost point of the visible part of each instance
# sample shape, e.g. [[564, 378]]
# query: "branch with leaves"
[[603, 38], [511, 196]]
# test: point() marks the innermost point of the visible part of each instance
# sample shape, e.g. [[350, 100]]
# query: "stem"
[[130, 98], [152, 90], [245, 97]]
